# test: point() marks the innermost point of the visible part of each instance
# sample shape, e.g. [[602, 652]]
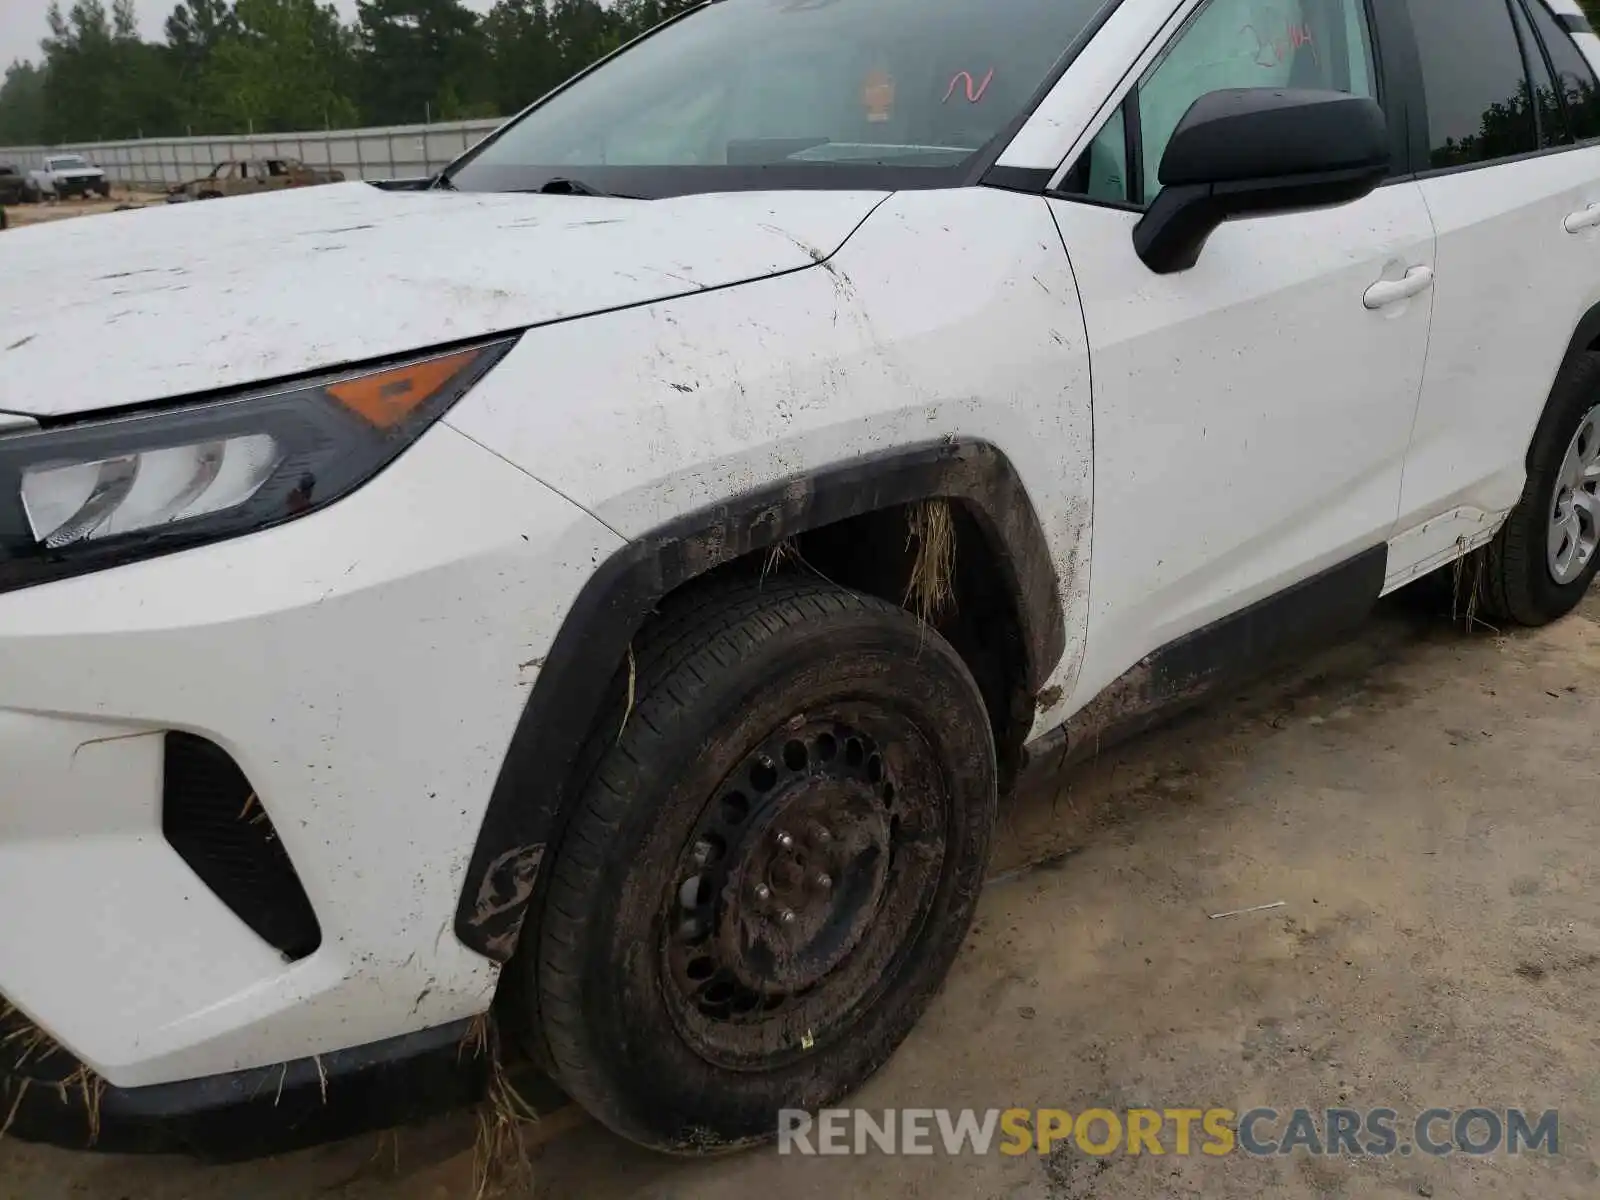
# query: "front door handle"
[[1392, 291], [1586, 218]]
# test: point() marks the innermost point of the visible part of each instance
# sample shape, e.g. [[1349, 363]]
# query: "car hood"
[[170, 301], [74, 172]]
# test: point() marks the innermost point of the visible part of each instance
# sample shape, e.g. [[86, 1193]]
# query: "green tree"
[[523, 60], [78, 59], [582, 31], [194, 30], [98, 79], [231, 66], [22, 120], [142, 93], [420, 59], [287, 66], [533, 47]]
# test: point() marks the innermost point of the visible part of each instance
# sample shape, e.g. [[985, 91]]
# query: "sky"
[[22, 22]]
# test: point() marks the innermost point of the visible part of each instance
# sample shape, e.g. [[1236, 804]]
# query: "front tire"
[[771, 867], [1543, 559]]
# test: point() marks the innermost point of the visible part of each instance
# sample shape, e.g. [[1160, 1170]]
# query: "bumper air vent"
[[214, 820]]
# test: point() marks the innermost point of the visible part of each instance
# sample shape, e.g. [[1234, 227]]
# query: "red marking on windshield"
[[973, 89], [1273, 48]]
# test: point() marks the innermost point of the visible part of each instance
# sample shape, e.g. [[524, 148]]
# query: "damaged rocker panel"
[[527, 803], [1312, 612]]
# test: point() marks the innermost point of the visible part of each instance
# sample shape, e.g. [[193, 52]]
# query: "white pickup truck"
[[64, 175]]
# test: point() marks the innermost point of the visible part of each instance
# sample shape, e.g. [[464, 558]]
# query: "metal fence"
[[395, 152]]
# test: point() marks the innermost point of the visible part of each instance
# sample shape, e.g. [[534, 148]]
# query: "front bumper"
[[365, 667], [91, 186], [252, 1113]]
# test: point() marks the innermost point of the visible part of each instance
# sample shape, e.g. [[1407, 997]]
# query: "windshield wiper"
[[560, 185]]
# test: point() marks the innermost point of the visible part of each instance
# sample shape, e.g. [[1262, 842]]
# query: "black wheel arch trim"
[[535, 777], [1585, 337], [1585, 334]]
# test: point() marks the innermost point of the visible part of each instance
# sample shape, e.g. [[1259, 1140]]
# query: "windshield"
[[790, 93], [70, 160]]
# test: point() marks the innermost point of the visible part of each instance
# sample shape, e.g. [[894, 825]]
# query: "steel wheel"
[[806, 876]]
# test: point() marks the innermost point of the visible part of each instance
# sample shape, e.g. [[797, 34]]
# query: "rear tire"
[[770, 869], [1556, 523]]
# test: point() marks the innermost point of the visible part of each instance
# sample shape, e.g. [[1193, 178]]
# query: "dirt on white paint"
[[1426, 803]]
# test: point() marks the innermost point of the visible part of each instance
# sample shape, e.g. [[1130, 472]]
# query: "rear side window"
[[1479, 102], [1579, 92], [1552, 116]]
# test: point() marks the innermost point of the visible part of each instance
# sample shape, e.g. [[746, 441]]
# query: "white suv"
[[610, 583]]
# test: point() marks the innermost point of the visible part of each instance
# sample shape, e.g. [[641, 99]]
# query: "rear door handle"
[[1387, 291], [1586, 218]]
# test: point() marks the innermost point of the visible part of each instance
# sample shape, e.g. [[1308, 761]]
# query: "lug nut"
[[702, 853], [786, 841], [763, 891], [787, 918], [824, 880], [822, 834]]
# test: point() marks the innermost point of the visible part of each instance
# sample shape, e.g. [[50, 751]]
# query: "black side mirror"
[[1245, 151]]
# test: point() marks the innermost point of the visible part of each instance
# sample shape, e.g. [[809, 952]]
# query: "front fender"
[[535, 783], [943, 342]]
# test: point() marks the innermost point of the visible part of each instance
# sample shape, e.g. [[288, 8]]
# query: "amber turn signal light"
[[389, 397]]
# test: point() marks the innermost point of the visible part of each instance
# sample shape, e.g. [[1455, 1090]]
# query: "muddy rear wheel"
[[770, 870]]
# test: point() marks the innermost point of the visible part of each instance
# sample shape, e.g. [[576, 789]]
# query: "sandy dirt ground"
[[20, 215], [1425, 803]]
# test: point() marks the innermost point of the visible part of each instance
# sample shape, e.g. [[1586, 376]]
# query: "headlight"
[[87, 496]]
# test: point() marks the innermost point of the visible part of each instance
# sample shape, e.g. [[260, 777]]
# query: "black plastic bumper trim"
[[253, 1113]]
